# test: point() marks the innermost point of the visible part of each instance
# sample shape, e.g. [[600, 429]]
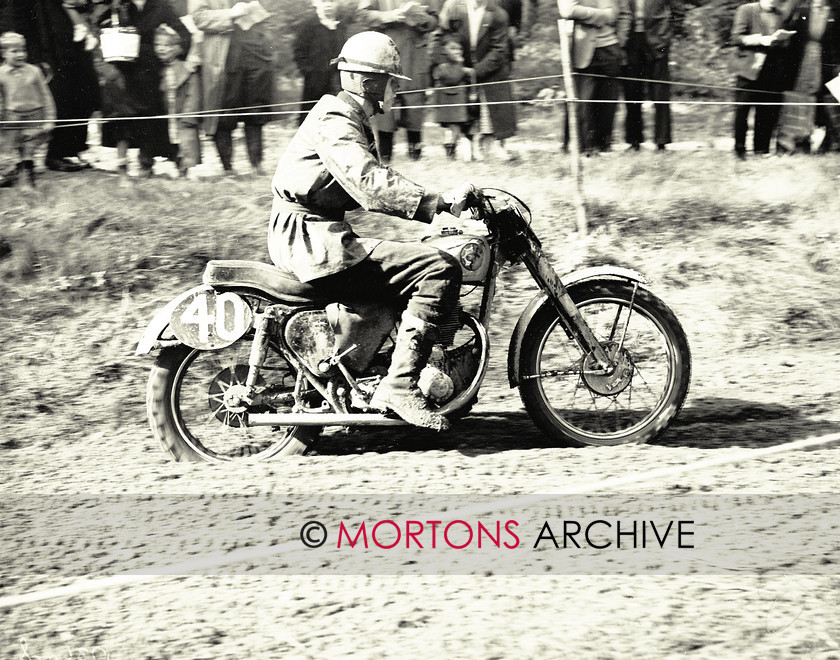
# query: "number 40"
[[211, 313]]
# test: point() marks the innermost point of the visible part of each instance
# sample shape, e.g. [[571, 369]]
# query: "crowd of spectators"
[[208, 66]]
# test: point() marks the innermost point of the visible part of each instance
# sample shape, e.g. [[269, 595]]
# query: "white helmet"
[[371, 52]]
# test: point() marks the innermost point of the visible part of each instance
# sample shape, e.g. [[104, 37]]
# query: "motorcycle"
[[251, 366]]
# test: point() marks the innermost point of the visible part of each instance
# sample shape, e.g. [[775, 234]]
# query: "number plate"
[[208, 320]]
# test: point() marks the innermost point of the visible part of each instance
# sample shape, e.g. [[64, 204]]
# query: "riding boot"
[[398, 391], [414, 148], [254, 144], [386, 146], [224, 147]]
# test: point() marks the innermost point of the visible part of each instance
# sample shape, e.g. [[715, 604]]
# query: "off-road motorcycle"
[[249, 368]]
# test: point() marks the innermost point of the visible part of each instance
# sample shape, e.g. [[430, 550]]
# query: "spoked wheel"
[[196, 407], [575, 402]]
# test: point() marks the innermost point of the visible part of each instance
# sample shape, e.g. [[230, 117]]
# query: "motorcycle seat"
[[230, 274]]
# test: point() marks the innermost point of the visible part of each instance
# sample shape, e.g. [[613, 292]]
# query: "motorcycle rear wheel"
[[572, 403], [184, 402]]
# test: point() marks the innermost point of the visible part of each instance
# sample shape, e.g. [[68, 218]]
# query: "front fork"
[[547, 279]]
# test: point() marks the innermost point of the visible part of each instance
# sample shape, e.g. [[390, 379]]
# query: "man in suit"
[[597, 53], [764, 65], [654, 23]]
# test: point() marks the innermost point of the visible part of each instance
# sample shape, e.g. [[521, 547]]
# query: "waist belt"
[[285, 206]]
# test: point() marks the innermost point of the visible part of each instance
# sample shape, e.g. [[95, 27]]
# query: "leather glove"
[[461, 198]]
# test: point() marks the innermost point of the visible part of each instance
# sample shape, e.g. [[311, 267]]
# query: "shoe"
[[8, 180], [634, 146], [503, 153], [660, 147], [450, 151], [414, 151], [398, 391], [741, 154], [65, 165], [478, 148], [465, 148]]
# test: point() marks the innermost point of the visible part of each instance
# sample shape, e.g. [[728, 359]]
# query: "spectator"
[[409, 24], [481, 27], [132, 89], [181, 92], [59, 41], [513, 8], [194, 57], [24, 98], [828, 114], [600, 32], [319, 37], [817, 64], [762, 66], [238, 74], [451, 112], [653, 24]]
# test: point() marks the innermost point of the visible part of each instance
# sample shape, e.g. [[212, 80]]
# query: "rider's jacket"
[[331, 166]]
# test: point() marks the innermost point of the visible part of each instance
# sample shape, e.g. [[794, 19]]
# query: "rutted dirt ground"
[[751, 388]]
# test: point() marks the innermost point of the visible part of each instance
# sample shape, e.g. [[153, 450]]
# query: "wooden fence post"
[[564, 26]]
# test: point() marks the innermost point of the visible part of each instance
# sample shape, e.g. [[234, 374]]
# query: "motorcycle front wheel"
[[576, 403], [188, 414]]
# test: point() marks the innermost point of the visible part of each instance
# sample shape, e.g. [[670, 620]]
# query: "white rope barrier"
[[242, 111]]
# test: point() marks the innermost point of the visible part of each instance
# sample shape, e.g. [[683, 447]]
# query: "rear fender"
[[154, 332], [541, 300]]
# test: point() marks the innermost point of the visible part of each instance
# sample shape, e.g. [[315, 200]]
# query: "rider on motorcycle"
[[331, 166]]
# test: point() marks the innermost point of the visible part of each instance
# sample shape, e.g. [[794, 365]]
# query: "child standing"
[[453, 114], [180, 87], [26, 107], [132, 101]]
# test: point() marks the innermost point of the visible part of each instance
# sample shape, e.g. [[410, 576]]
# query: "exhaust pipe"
[[323, 419]]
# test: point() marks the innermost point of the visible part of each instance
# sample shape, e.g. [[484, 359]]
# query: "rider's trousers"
[[393, 273]]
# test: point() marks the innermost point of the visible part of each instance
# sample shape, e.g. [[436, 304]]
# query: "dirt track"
[[750, 389]]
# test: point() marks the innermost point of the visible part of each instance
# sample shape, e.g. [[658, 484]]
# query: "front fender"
[[160, 322], [541, 299]]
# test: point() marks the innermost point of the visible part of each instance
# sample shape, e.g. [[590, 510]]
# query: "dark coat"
[[314, 47], [490, 58], [453, 98], [133, 88], [663, 18]]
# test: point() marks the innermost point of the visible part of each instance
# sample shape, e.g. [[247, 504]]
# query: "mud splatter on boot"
[[398, 391]]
